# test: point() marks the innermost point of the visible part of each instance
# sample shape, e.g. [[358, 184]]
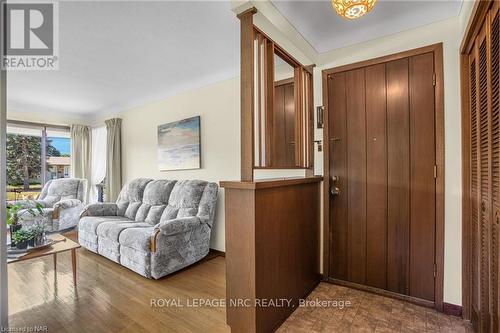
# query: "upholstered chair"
[[62, 200], [156, 227]]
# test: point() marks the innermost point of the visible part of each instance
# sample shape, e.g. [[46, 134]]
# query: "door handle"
[[334, 191]]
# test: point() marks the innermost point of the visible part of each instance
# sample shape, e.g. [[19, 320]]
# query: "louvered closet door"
[[475, 241], [485, 174], [482, 81], [495, 168]]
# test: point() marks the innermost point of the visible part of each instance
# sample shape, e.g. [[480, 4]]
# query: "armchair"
[[62, 201]]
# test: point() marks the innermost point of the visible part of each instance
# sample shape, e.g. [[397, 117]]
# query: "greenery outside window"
[[36, 153]]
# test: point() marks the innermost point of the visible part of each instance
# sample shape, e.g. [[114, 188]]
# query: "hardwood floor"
[[111, 298]]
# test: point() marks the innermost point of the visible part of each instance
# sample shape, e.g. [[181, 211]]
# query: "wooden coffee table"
[[62, 244]]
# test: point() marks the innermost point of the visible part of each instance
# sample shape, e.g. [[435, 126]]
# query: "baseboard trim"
[[382, 292], [452, 310]]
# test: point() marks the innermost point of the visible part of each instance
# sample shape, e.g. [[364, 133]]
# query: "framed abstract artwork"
[[179, 146]]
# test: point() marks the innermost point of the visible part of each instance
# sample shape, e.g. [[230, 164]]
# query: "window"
[[35, 153], [58, 154]]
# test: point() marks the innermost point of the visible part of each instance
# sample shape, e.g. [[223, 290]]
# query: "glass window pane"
[[58, 154], [24, 146]]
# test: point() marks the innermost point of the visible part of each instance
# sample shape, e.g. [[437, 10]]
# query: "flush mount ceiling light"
[[352, 9]]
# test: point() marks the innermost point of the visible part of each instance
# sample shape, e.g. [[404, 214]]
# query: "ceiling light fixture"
[[352, 9]]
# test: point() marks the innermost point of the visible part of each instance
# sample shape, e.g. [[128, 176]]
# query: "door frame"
[[437, 50], [4, 291], [476, 19]]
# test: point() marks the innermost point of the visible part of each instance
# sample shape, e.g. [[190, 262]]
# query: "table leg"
[[55, 262], [73, 263]]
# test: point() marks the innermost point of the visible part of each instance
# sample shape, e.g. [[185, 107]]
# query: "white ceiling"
[[115, 55], [325, 30]]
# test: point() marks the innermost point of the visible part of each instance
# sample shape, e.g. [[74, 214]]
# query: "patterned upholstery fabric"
[[180, 213], [63, 202], [56, 190]]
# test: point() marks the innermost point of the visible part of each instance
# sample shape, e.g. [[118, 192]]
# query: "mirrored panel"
[[283, 108], [283, 114]]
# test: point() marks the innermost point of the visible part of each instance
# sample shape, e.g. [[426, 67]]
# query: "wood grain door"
[[382, 168], [495, 166], [283, 134]]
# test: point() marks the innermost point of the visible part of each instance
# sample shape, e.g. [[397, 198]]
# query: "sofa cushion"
[[109, 249], [155, 199], [60, 189], [137, 238], [136, 260], [142, 212], [169, 213], [89, 224], [88, 237], [154, 214], [111, 230], [88, 241], [132, 192], [132, 209], [158, 192], [208, 202], [184, 199]]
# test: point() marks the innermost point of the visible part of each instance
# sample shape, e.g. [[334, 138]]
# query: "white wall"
[[463, 17], [52, 118], [446, 32], [219, 108]]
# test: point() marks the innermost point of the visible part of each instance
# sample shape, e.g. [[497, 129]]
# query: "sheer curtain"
[[98, 161]]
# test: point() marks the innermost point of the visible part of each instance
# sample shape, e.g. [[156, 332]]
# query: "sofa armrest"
[[173, 227], [26, 203], [100, 209], [68, 203], [64, 204], [178, 226]]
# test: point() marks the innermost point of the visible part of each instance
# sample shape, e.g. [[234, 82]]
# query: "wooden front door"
[[382, 169]]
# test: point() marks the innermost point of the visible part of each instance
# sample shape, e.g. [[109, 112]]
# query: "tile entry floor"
[[368, 313]]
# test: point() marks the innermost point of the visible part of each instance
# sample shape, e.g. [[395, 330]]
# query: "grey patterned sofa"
[[156, 227], [62, 200]]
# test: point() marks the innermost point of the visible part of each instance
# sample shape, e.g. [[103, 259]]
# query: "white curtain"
[[98, 161]]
